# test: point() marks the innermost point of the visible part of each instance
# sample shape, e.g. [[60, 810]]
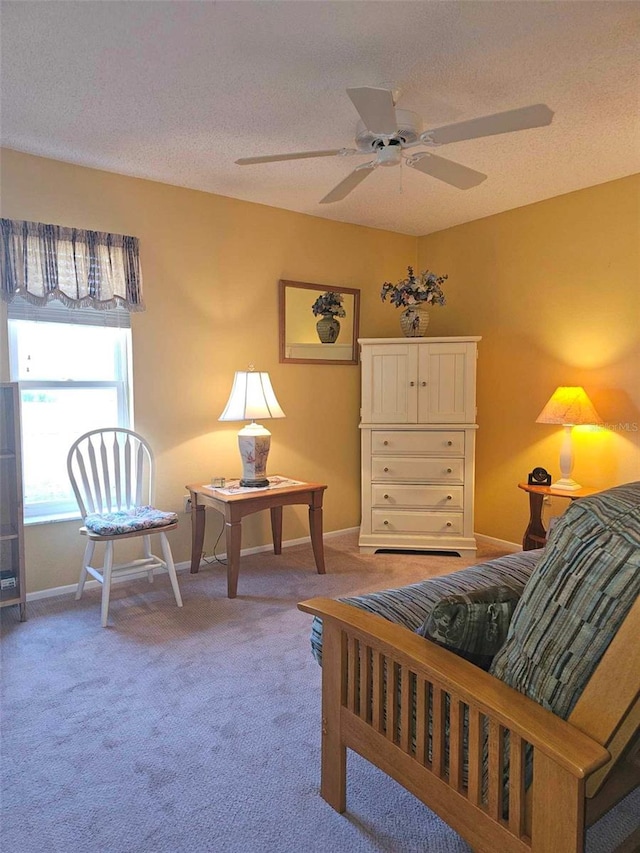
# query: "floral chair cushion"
[[128, 520]]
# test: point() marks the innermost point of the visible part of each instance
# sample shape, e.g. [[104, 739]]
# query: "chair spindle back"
[[111, 469]]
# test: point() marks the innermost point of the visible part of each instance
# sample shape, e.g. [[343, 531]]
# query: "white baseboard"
[[512, 547], [70, 589]]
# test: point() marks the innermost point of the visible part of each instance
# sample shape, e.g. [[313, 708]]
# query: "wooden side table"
[[535, 536], [233, 507]]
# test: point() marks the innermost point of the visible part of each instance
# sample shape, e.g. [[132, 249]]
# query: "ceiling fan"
[[388, 132]]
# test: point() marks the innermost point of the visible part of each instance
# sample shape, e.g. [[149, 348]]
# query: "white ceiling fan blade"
[[349, 183], [296, 155], [537, 115], [376, 109], [452, 173]]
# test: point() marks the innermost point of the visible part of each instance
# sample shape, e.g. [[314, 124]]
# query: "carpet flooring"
[[198, 729]]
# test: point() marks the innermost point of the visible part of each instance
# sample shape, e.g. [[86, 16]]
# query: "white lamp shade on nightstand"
[[252, 397], [569, 406]]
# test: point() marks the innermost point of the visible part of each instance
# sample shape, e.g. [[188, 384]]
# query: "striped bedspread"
[[410, 605]]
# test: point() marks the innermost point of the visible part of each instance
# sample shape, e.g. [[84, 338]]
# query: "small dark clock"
[[539, 477]]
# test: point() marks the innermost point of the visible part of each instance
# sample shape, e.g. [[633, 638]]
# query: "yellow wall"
[[554, 290], [211, 267]]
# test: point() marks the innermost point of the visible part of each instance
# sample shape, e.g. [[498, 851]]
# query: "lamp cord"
[[215, 558]]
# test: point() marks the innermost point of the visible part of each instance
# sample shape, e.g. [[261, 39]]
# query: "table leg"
[[535, 535], [276, 528], [197, 533], [315, 528], [233, 536]]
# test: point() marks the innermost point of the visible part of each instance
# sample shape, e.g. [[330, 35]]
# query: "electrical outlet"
[[186, 503]]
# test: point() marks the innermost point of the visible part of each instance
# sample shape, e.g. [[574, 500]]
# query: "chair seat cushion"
[[473, 624], [128, 520], [575, 601]]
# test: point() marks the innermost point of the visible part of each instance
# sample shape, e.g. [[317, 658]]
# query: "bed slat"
[[474, 783], [405, 709], [377, 717], [456, 721], [391, 700], [516, 785], [438, 728], [352, 674], [496, 753]]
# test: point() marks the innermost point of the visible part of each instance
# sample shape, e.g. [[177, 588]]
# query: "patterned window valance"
[[80, 268]]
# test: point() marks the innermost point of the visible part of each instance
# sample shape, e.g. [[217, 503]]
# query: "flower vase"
[[414, 321], [328, 329]]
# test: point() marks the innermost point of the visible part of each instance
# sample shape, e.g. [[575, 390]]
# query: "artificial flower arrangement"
[[329, 303], [415, 290]]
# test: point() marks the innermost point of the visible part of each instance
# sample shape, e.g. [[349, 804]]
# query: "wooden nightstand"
[[234, 507], [535, 536]]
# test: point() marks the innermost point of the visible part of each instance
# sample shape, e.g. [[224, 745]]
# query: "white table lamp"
[[570, 407], [252, 397]]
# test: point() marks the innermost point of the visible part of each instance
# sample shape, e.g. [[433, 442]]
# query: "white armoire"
[[418, 443]]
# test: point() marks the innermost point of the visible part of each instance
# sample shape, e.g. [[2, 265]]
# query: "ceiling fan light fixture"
[[389, 155]]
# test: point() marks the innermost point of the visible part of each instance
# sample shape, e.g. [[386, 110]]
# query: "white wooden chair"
[[112, 473]]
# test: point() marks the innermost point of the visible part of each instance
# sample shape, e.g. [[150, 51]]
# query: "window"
[[69, 293], [74, 369]]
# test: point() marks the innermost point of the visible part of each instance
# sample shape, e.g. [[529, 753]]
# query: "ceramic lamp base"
[[254, 442], [566, 481]]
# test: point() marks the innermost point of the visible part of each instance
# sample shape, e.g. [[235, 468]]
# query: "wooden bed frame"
[[581, 767]]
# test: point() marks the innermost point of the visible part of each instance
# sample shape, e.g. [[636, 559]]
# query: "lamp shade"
[[251, 397], [569, 406]]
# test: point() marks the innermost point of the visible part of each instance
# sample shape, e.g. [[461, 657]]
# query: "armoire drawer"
[[423, 469], [397, 521], [429, 497], [418, 441]]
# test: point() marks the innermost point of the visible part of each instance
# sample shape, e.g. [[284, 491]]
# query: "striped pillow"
[[576, 599], [473, 624]]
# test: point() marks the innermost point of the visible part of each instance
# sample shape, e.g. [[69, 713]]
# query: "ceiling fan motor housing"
[[409, 130]]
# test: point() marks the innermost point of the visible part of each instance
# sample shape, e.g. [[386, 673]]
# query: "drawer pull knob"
[[448, 524], [385, 521], [385, 470], [449, 497], [386, 497], [449, 470], [411, 384], [424, 384], [385, 443], [449, 443]]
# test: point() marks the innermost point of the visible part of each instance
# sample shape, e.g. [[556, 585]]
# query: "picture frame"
[[299, 336]]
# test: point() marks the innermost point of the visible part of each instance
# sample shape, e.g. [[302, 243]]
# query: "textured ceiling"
[[176, 91]]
